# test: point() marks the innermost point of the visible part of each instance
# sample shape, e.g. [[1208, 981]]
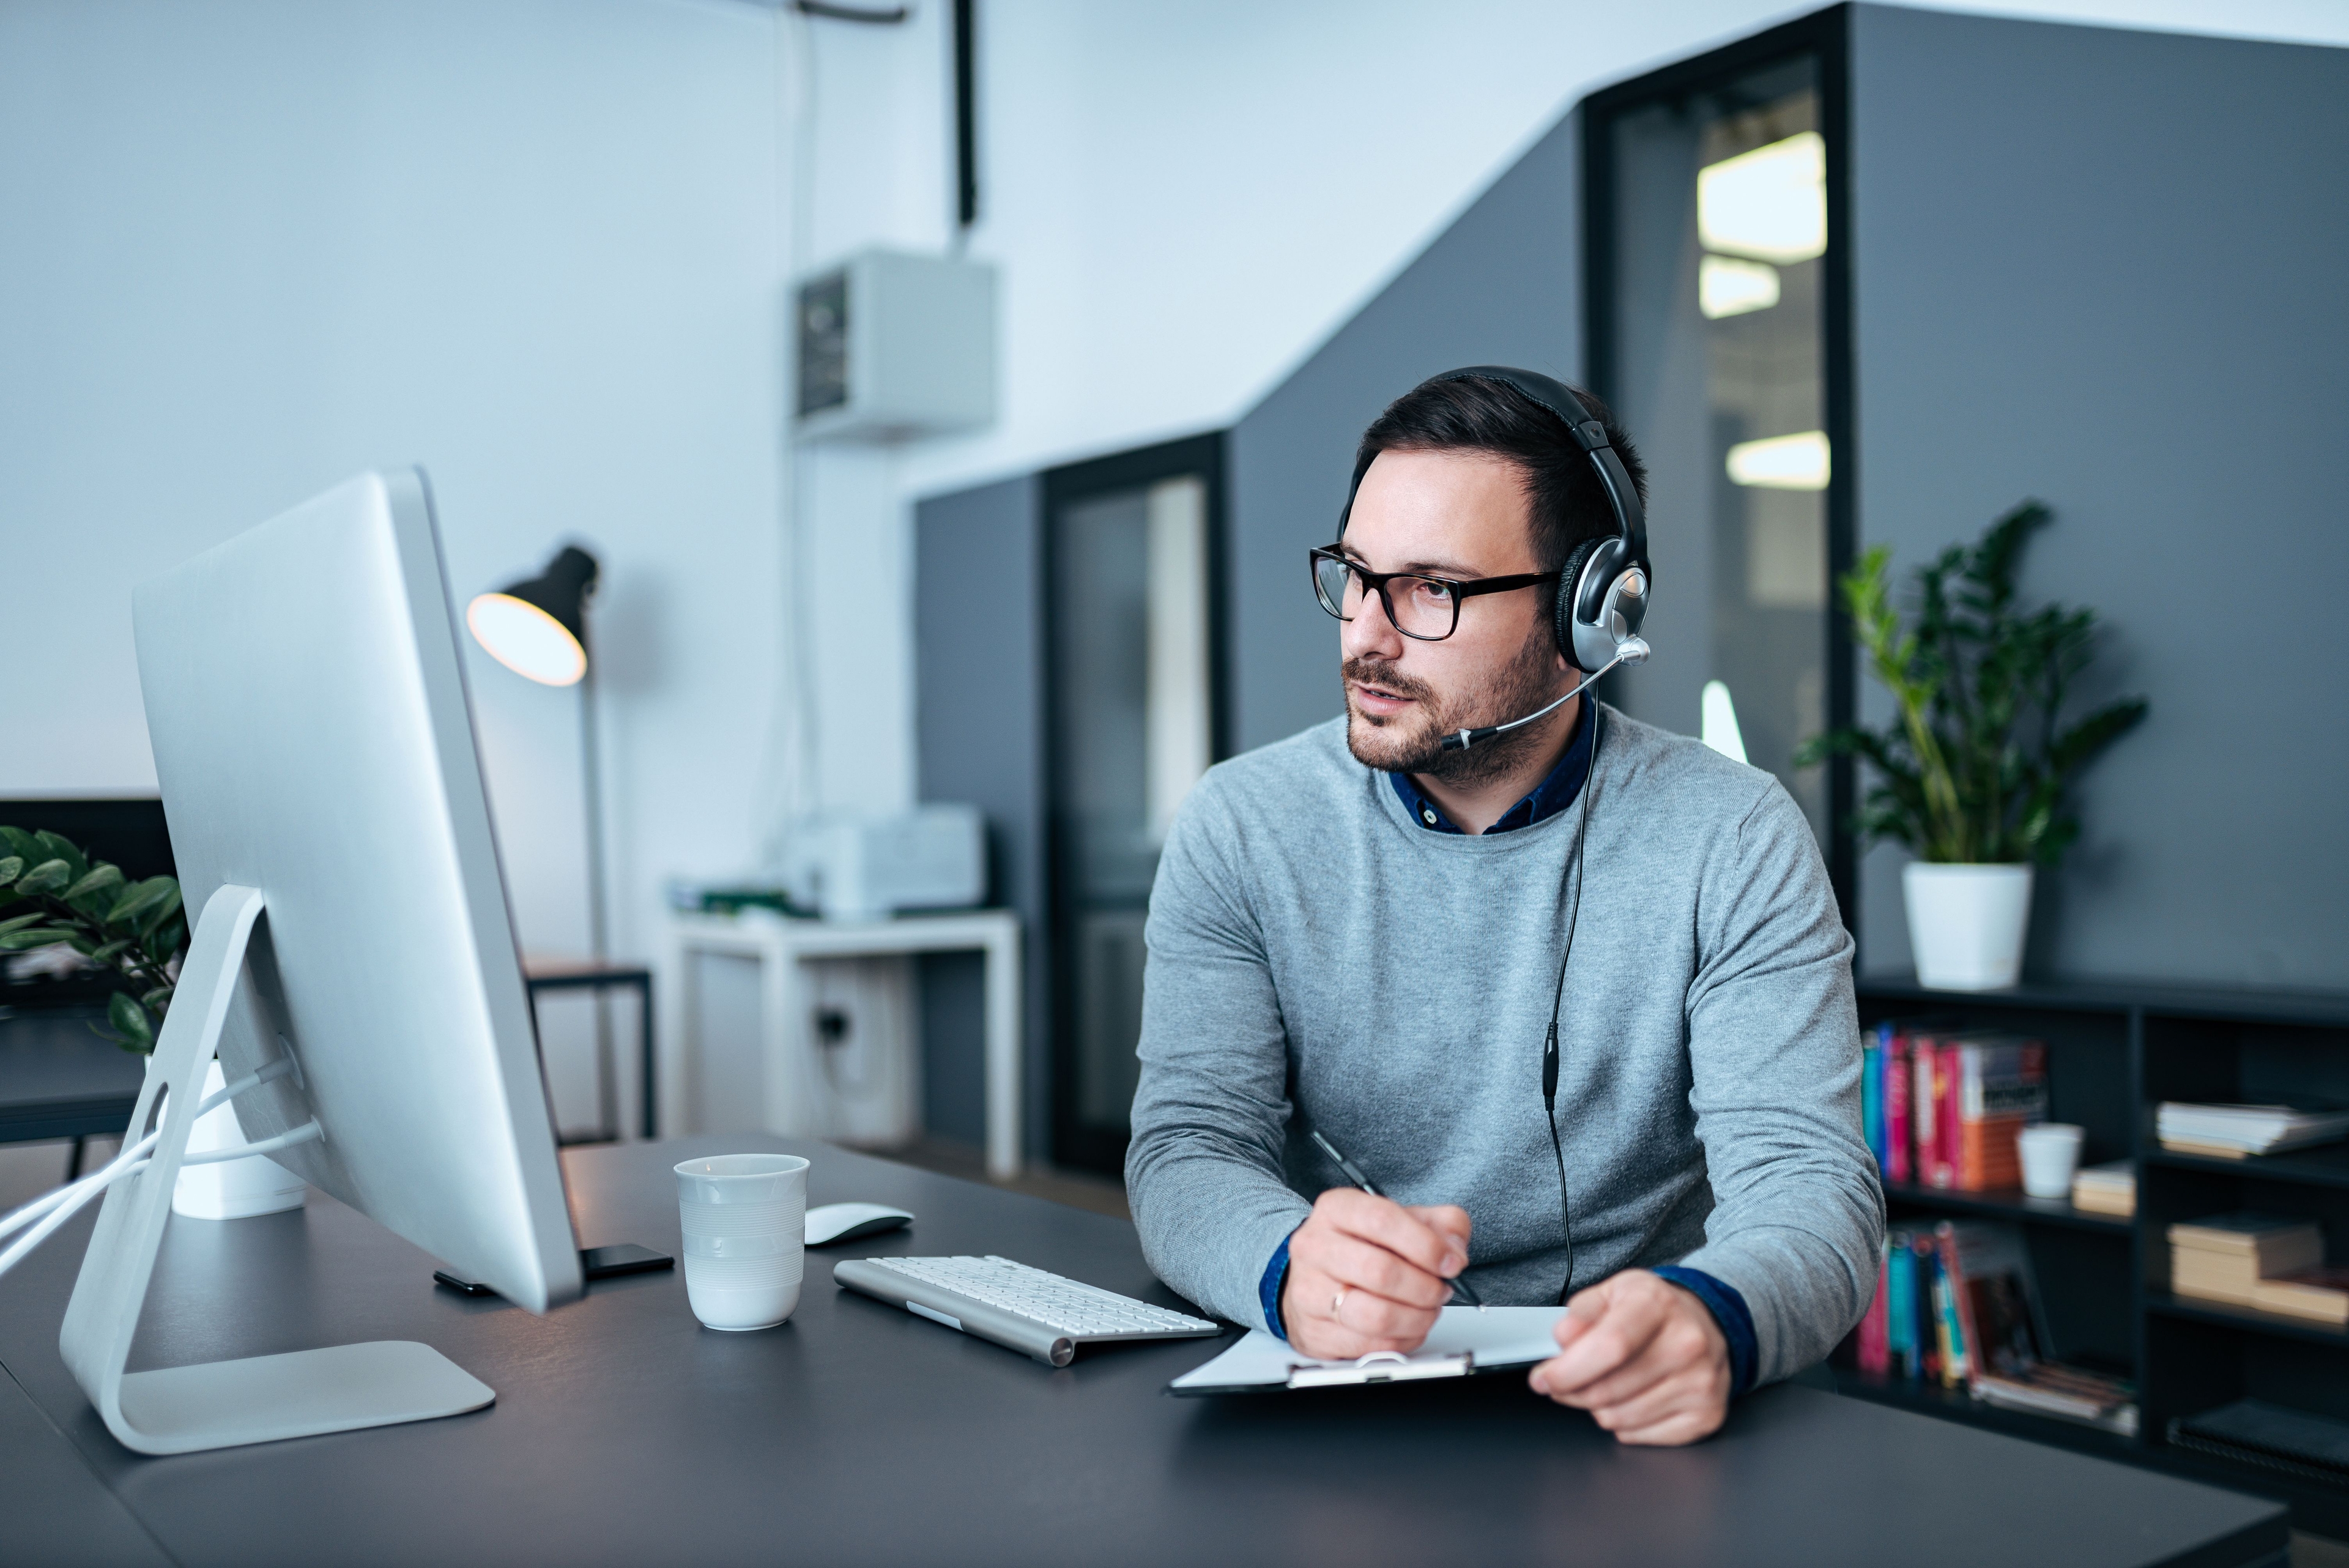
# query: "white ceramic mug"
[[745, 1222], [2051, 1153]]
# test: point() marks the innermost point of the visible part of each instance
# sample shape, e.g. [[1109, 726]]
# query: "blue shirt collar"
[[1549, 797]]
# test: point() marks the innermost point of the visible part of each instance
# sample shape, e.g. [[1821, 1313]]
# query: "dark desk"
[[58, 1079], [624, 1432]]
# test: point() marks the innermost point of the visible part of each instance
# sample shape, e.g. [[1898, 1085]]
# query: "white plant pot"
[[1966, 924], [230, 1189]]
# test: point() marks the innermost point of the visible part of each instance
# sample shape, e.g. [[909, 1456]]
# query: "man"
[[1356, 932]]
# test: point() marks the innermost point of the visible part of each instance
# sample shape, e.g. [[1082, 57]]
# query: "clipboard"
[[1465, 1342]]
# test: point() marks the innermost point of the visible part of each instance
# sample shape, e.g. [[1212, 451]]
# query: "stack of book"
[[1956, 1305], [2107, 1188], [2234, 1132], [1943, 1110], [2050, 1389], [2265, 1261], [2319, 1294]]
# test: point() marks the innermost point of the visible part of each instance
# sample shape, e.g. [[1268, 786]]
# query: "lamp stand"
[[607, 1076]]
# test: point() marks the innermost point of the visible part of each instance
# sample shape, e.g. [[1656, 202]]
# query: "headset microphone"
[[1631, 651]]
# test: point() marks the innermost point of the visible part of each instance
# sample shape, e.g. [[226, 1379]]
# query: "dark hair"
[[1475, 413]]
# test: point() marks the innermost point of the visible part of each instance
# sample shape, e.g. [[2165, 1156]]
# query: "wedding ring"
[[1338, 1301]]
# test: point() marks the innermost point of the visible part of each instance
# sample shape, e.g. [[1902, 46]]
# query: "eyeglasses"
[[1419, 607]]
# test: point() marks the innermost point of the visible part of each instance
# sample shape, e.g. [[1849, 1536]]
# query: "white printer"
[[868, 868]]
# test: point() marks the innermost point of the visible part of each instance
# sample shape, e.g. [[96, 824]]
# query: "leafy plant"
[[1974, 770], [135, 928]]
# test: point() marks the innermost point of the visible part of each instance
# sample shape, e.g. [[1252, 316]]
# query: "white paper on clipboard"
[[1464, 1339]]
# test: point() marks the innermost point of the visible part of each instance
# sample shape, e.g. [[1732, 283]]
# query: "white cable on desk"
[[53, 1208]]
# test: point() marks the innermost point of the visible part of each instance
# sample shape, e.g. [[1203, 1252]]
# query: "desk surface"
[[624, 1432], [58, 1079]]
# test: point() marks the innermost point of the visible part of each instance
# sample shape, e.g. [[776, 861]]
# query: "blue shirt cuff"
[[1721, 1300], [1276, 1274]]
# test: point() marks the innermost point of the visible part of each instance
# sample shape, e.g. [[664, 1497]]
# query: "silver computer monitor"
[[314, 746]]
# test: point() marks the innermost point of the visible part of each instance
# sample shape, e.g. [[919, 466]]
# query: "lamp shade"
[[539, 628]]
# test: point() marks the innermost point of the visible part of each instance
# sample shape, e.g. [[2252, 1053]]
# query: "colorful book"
[[2001, 1087], [1946, 1329], [1945, 1113], [1871, 1095], [1928, 1339], [1899, 1082], [1899, 1290], [1923, 1109], [1995, 1297], [1874, 1329]]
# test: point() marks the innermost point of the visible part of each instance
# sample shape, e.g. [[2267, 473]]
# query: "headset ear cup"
[[1570, 582]]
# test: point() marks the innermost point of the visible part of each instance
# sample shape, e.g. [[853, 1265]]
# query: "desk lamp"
[[538, 628]]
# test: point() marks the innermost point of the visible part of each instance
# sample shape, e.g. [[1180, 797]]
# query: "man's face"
[[1462, 516]]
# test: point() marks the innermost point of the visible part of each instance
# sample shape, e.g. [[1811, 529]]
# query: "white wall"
[[256, 246]]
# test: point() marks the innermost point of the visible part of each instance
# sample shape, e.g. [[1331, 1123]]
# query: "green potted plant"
[[54, 894], [1973, 773]]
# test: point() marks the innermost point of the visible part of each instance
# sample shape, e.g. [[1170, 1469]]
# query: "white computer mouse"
[[847, 1221]]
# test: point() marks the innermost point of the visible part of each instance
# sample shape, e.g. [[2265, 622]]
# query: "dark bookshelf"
[[2010, 1203], [2326, 1166], [2201, 1309], [2114, 1051], [1956, 1405]]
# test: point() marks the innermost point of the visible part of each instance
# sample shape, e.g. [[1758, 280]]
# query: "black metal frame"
[[1456, 588], [596, 980], [1825, 36], [1073, 1144]]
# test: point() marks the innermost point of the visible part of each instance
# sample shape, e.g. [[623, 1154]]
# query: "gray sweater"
[[1317, 958]]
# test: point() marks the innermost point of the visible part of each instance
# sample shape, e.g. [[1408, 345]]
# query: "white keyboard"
[[1044, 1316]]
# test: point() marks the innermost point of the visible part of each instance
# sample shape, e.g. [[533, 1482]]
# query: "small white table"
[[780, 946]]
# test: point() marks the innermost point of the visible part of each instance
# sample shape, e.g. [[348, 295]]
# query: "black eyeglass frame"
[[1376, 582]]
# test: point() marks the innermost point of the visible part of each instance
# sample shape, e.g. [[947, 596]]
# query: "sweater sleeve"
[[1774, 1049], [1211, 1110]]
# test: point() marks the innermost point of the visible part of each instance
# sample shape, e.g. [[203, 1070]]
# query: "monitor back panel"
[[313, 739]]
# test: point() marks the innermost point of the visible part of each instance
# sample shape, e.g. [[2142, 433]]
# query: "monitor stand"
[[185, 1409]]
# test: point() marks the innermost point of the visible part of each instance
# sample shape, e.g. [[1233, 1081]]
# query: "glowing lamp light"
[[1719, 718], [1770, 204], [1797, 462], [1728, 287], [538, 628]]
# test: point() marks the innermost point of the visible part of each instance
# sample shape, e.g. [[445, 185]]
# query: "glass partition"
[[1712, 308], [1132, 709]]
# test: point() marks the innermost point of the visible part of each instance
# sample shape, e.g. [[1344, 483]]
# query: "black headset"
[[1602, 591]]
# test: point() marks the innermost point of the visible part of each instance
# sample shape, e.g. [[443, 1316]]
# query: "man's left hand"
[[1644, 1358]]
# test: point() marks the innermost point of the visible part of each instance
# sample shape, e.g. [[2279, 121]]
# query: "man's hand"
[[1366, 1273], [1644, 1358]]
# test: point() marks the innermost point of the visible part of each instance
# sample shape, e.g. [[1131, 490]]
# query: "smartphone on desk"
[[595, 1263]]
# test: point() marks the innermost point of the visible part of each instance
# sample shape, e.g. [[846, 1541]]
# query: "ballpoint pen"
[[1354, 1173]]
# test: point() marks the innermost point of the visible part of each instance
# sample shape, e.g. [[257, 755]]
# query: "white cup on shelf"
[[745, 1222], [2051, 1153]]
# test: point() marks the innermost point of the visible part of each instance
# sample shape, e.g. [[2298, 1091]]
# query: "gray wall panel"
[[1501, 285], [979, 618], [2103, 268]]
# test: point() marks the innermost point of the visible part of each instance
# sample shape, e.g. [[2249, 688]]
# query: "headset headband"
[[1587, 431]]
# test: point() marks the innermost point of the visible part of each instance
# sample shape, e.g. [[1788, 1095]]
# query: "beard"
[[1414, 742]]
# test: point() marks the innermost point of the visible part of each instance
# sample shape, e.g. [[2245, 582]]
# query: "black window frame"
[[1076, 1145], [1825, 36]]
